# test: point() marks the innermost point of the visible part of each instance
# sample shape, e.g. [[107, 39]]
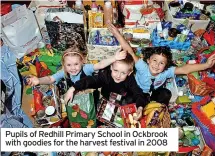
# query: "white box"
[[196, 24], [47, 3]]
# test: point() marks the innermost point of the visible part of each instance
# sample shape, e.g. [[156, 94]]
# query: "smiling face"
[[119, 71], [157, 63], [72, 64]]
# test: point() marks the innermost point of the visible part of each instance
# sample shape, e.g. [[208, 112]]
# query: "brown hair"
[[129, 61]]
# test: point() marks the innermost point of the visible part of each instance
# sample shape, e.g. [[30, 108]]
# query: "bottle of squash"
[[108, 12]]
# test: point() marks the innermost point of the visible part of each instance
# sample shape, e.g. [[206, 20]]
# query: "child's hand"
[[112, 28], [211, 61], [120, 55], [69, 95], [33, 80], [139, 114]]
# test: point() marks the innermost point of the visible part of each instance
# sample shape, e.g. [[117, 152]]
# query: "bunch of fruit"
[[130, 122], [155, 113]]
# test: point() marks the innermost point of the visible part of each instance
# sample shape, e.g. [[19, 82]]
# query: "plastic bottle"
[[94, 7], [78, 5], [108, 12], [115, 15], [100, 9]]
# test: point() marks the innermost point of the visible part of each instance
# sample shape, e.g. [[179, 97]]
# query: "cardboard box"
[[109, 114], [100, 52], [196, 24]]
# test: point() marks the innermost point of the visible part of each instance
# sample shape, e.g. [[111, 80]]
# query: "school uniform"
[[64, 80], [153, 84], [87, 70], [130, 91]]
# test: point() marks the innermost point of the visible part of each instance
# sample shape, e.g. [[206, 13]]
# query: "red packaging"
[[41, 72], [127, 109], [5, 8], [38, 100], [143, 122], [135, 2]]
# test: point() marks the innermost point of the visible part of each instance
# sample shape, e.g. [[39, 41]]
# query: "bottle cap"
[[94, 5], [108, 4], [78, 3], [33, 9]]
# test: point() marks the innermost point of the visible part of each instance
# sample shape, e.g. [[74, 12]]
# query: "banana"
[[134, 122], [161, 115], [151, 106], [131, 119], [146, 112], [150, 116]]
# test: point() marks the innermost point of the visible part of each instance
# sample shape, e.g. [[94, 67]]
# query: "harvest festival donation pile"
[[111, 64]]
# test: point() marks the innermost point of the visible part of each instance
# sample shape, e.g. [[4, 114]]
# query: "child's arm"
[[89, 82], [141, 99], [33, 80], [189, 68], [69, 94], [122, 41], [106, 62]]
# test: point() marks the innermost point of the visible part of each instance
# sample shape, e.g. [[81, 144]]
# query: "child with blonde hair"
[[119, 79], [74, 69]]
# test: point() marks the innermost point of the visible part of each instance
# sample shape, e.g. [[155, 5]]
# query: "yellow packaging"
[[98, 2], [95, 19], [209, 109], [94, 61], [140, 30], [54, 119]]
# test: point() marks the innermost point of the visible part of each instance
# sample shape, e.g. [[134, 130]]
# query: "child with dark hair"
[[152, 73], [159, 50], [118, 79]]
